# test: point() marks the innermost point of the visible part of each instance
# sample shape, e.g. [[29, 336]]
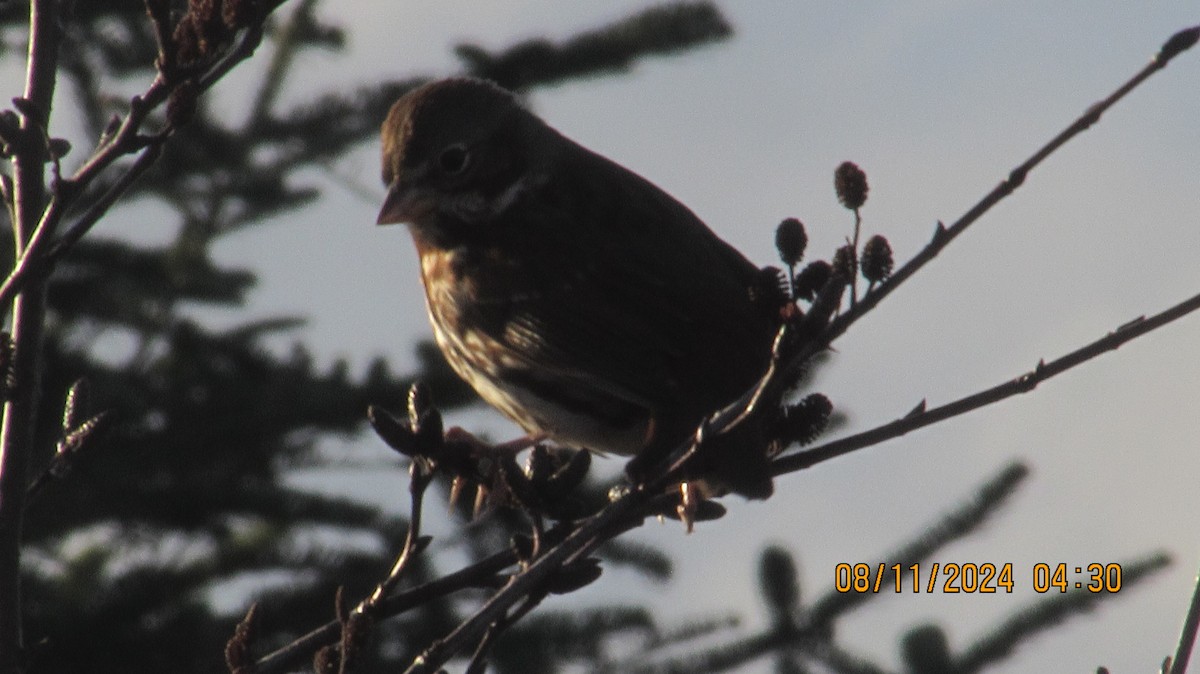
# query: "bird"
[[575, 296]]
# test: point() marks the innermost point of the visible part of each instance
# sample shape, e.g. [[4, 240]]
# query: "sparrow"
[[576, 297]]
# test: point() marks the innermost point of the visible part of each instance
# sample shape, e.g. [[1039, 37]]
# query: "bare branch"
[[584, 538], [20, 410], [794, 346], [480, 574], [43, 251], [1187, 637], [942, 236], [920, 417]]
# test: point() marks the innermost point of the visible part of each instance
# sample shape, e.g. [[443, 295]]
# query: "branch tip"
[[1177, 44], [916, 411]]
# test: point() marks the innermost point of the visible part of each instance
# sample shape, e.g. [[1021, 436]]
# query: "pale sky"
[[936, 100]]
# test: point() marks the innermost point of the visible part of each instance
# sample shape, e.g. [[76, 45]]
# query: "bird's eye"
[[453, 159]]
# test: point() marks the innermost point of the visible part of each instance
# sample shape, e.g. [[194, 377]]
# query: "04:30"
[[1100, 578]]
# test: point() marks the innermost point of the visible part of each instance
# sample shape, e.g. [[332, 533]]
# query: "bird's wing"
[[637, 298]]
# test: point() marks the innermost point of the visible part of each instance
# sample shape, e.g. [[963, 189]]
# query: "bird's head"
[[456, 152]]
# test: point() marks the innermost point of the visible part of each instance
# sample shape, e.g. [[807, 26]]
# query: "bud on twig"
[[804, 421], [851, 185], [181, 104], [397, 434], [83, 436], [876, 259], [845, 262], [58, 148], [76, 406], [811, 279], [790, 241], [29, 109], [237, 650]]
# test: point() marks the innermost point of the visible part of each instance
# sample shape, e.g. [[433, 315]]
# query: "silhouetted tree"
[[162, 482]]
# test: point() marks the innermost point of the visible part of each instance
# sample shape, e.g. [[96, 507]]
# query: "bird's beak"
[[397, 206]]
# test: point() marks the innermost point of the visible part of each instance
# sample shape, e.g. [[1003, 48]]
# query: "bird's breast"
[[470, 309]]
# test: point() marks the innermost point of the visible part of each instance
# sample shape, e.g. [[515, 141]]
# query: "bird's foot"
[[482, 448]]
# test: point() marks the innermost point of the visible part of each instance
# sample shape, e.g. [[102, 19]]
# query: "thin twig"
[[1187, 638], [479, 574], [77, 440], [419, 481], [772, 385], [31, 261], [854, 253], [83, 224], [44, 250], [482, 574], [478, 664], [522, 585], [356, 624], [1178, 43], [920, 417], [29, 309], [808, 636]]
